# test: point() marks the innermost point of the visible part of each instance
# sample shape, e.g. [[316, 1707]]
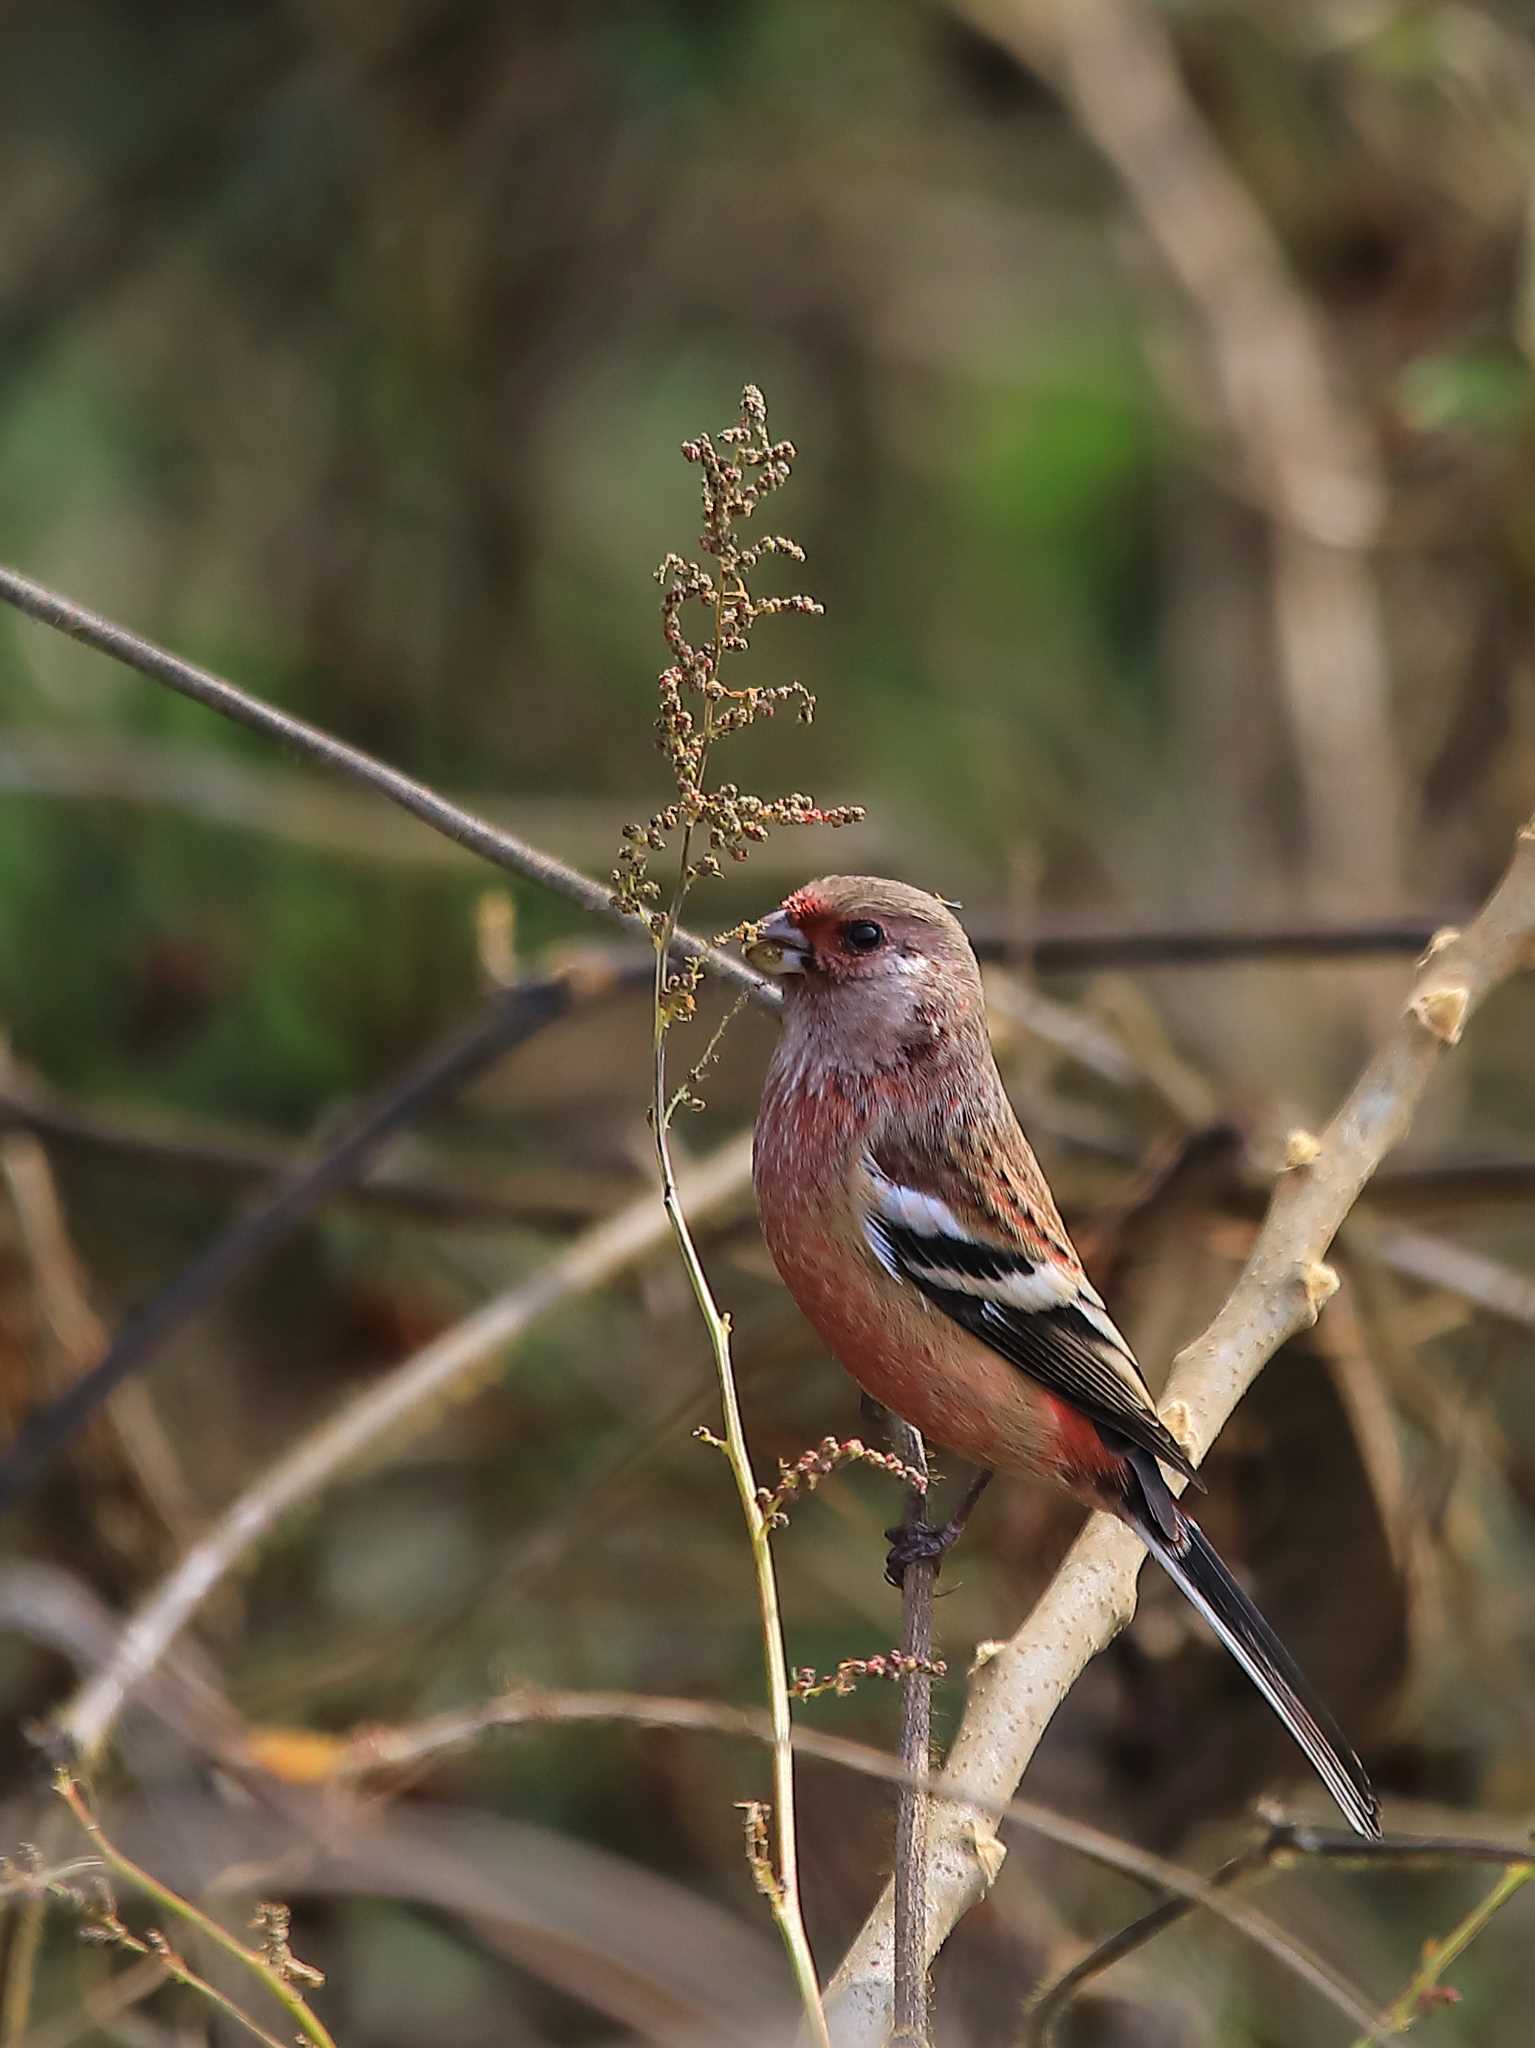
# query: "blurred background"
[[1162, 382]]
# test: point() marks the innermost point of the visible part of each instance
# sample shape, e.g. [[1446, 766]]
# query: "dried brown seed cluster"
[[895, 1665], [759, 1856], [697, 708], [273, 1922], [805, 1473]]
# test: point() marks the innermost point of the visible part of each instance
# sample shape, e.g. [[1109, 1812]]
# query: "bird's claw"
[[916, 1543]]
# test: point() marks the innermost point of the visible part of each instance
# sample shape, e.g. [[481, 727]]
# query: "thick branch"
[[1280, 1292]]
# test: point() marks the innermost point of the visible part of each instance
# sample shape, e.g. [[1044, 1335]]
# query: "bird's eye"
[[863, 935]]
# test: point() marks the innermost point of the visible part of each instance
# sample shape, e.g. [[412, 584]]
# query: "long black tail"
[[1180, 1546]]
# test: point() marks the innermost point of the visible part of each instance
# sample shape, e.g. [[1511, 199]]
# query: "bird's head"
[[882, 968]]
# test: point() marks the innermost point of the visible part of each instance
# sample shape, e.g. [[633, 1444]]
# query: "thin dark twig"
[[1417, 1852], [1450, 1181], [1063, 948], [491, 842], [916, 1734], [303, 1185], [514, 1015], [379, 1750], [1042, 2022], [28, 1104], [1453, 1181], [207, 1154], [1057, 949], [1284, 1843]]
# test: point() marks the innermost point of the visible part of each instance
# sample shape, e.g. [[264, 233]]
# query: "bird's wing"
[[1000, 1264]]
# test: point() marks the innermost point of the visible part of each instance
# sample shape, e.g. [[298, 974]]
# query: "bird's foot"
[[917, 1543]]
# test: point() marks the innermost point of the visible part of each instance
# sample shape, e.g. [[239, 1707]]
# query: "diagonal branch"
[[445, 1367], [1280, 1292], [492, 842], [204, 1149], [298, 1189]]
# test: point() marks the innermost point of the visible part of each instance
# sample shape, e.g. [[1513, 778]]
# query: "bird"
[[906, 1213]]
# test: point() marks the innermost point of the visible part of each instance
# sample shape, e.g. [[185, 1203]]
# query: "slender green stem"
[[173, 1903], [27, 1939], [16, 2006], [785, 1902], [1439, 1956], [784, 1899], [180, 1971]]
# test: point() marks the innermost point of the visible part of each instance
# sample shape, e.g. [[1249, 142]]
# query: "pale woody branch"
[[1281, 1291], [446, 1369]]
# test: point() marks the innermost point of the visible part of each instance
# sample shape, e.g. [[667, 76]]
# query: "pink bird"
[[906, 1212]]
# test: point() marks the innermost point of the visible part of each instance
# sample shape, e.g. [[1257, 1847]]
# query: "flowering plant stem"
[[1418, 1996], [697, 711], [781, 1884], [274, 1979]]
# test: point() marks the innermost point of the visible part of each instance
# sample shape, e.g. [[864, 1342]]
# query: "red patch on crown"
[[821, 924], [804, 908]]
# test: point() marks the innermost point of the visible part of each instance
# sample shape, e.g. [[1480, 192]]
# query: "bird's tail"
[[1180, 1546]]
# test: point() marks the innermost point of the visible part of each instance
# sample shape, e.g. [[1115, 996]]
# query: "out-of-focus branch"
[[1060, 947], [299, 808], [1435, 1262], [1047, 2010], [1283, 1844], [378, 1752], [1280, 1292], [199, 1146], [492, 842], [77, 1334], [506, 850], [208, 1149], [102, 2013], [305, 1183], [445, 1367], [378, 1756], [1304, 449]]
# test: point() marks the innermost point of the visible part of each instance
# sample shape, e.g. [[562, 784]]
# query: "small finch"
[[908, 1217]]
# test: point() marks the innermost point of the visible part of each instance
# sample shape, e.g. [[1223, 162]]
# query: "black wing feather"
[[1059, 1346]]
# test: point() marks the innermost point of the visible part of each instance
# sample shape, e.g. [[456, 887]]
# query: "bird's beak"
[[780, 947]]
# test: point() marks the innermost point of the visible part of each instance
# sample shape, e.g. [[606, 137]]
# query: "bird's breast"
[[899, 1346]]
